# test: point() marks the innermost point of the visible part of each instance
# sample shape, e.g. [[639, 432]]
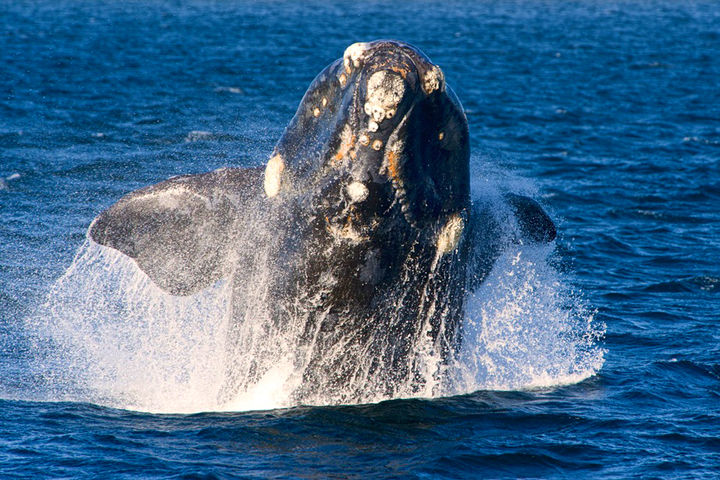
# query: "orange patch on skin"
[[395, 68], [403, 73], [393, 167], [344, 149]]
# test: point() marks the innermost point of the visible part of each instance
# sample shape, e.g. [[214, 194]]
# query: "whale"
[[357, 242]]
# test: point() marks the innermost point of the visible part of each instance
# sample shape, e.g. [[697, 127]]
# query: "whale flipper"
[[488, 241], [180, 231], [535, 224]]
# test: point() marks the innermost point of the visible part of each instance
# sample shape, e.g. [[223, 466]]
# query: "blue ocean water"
[[608, 112]]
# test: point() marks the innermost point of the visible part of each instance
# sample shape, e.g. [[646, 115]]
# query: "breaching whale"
[[361, 226]]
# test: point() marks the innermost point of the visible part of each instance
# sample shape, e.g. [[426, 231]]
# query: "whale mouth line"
[[394, 170]]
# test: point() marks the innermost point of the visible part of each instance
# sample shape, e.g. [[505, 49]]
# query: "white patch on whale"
[[357, 191], [449, 236], [354, 54], [434, 79], [273, 175], [384, 91]]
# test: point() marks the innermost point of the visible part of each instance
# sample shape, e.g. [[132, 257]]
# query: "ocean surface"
[[607, 112]]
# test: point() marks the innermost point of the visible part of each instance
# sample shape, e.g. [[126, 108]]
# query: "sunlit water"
[[607, 112]]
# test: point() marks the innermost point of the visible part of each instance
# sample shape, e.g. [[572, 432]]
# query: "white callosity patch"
[[433, 80], [354, 54], [357, 191], [273, 175], [384, 91]]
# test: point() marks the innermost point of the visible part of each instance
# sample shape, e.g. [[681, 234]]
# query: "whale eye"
[[390, 113]]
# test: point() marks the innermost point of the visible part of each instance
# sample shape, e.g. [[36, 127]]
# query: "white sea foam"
[[197, 135], [235, 90]]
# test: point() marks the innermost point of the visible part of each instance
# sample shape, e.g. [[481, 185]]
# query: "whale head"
[[378, 143]]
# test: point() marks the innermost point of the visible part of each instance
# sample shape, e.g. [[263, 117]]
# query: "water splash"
[[525, 329], [108, 335]]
